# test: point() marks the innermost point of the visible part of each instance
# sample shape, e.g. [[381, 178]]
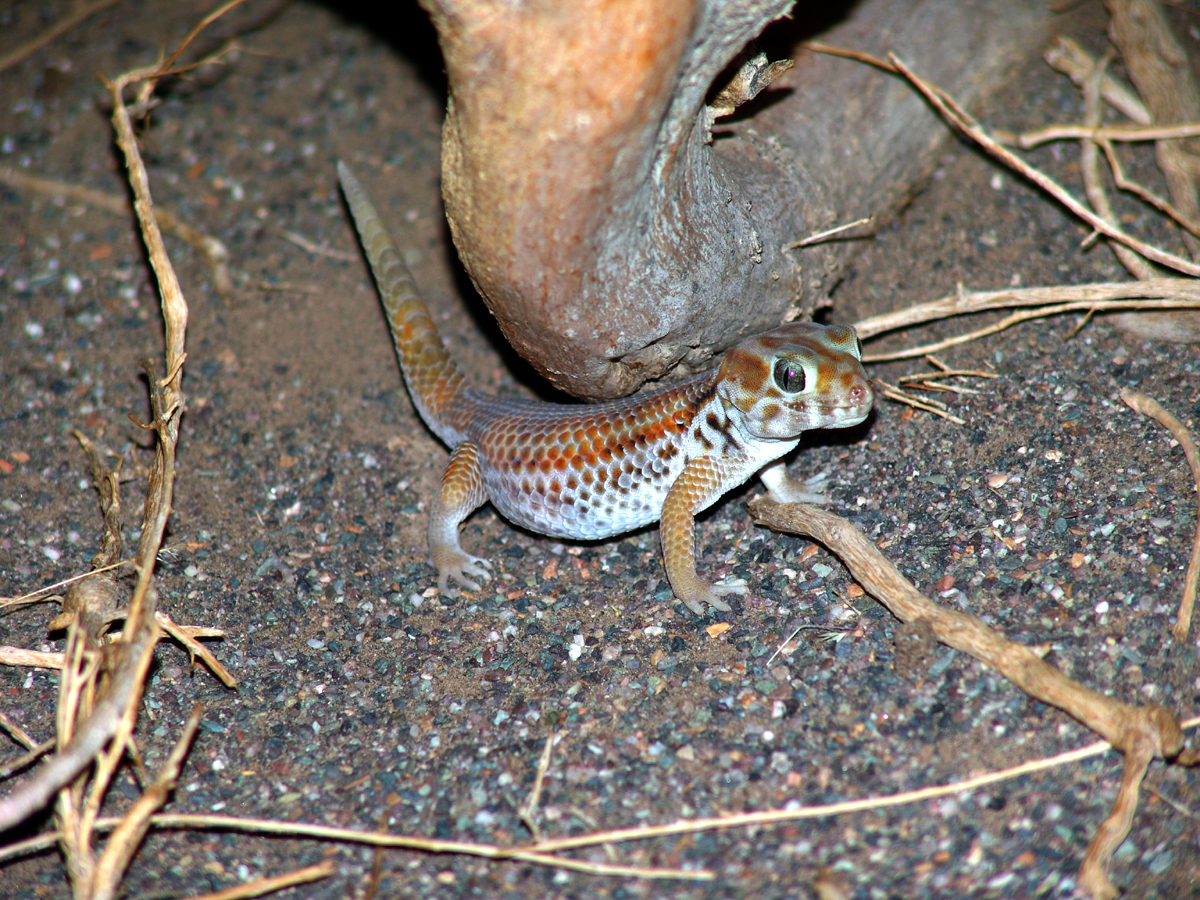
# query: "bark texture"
[[613, 231]]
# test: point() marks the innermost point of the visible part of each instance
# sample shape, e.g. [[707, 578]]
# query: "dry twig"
[[528, 854], [528, 812], [1142, 733], [92, 714], [260, 886], [210, 248], [827, 234], [1066, 56], [1176, 293], [36, 659], [72, 19], [964, 122], [1147, 406], [1093, 182], [317, 249], [893, 392]]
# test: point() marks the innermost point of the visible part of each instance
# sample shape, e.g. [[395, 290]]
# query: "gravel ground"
[[1054, 513]]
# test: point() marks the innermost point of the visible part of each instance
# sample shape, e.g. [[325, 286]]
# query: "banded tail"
[[433, 379]]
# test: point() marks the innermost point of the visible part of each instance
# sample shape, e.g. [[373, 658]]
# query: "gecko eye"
[[789, 376]]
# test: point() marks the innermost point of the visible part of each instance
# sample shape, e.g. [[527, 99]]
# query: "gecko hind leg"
[[460, 494]]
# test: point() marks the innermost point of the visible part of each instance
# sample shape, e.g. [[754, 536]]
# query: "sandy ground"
[[304, 477]]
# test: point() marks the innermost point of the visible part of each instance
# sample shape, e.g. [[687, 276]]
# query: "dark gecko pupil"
[[789, 376]]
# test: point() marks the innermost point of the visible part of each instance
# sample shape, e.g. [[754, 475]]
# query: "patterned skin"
[[590, 471]]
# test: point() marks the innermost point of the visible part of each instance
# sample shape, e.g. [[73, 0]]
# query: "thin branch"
[[317, 249], [528, 812], [892, 392], [1066, 56], [372, 839], [1145, 194], [260, 886], [1120, 133], [186, 635], [37, 659], [826, 235], [958, 117], [1147, 406], [27, 759], [1093, 182], [128, 835], [213, 251], [59, 28], [1140, 732], [1178, 293], [16, 732], [1111, 833]]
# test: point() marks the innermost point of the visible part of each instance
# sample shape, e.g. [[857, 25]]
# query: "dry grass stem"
[[1120, 133], [1142, 733], [186, 635], [958, 117], [286, 287], [16, 732], [1159, 68], [1066, 56], [317, 249], [945, 372], [685, 826], [36, 659], [76, 17], [892, 392], [213, 251], [1177, 293], [260, 886], [826, 235], [38, 595], [375, 839], [774, 816], [528, 812], [1147, 406], [1093, 181], [127, 836], [27, 759]]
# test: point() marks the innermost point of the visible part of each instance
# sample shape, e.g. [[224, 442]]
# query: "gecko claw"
[[711, 594], [459, 566]]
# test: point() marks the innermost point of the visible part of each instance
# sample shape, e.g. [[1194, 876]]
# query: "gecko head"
[[796, 378]]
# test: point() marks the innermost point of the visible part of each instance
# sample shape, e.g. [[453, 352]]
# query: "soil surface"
[[367, 701]]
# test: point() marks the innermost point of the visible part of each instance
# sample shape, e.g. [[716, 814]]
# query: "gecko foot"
[[785, 489], [456, 563], [711, 594]]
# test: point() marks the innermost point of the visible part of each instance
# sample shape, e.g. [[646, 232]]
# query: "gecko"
[[589, 471]]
